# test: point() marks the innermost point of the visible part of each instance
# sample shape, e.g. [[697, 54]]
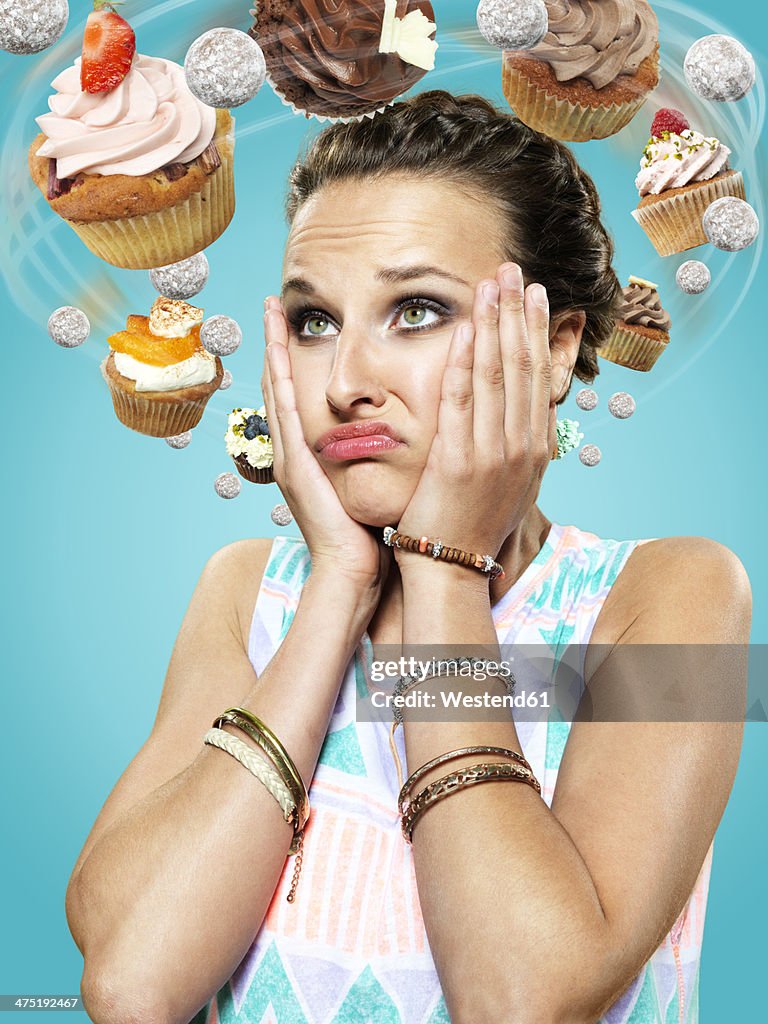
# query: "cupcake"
[[158, 372], [681, 173], [248, 442], [641, 331], [340, 60], [129, 157], [591, 72]]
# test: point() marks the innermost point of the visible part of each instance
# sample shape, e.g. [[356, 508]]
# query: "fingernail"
[[513, 276], [266, 301], [539, 296], [491, 293]]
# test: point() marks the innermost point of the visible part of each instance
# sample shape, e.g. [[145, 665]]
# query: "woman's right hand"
[[336, 541]]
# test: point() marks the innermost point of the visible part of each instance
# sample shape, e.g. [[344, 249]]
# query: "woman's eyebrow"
[[387, 275]]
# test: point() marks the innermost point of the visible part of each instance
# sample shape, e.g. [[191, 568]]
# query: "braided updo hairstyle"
[[550, 205]]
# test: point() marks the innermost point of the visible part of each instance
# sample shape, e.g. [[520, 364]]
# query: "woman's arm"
[[174, 891], [536, 914]]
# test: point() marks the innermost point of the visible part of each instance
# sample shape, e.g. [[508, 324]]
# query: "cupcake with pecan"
[[341, 60], [159, 375], [591, 72], [641, 330], [682, 172], [129, 157], [248, 442]]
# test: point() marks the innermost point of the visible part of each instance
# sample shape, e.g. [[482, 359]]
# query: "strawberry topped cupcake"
[[158, 372], [681, 173], [129, 157]]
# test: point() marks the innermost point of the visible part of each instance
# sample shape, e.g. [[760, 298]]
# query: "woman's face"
[[376, 278]]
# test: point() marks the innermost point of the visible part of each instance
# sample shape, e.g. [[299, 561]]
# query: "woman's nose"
[[356, 373]]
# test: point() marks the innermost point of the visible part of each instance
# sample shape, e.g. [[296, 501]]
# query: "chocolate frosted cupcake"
[[249, 443], [641, 331], [340, 60], [591, 72]]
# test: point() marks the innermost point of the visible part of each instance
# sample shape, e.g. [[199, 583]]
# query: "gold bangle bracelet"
[[467, 776], [298, 782], [239, 720]]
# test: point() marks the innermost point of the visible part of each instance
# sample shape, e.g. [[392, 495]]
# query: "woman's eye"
[[316, 325], [417, 315]]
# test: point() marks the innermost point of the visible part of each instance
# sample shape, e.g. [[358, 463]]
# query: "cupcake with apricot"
[[682, 172], [592, 71], [641, 331], [159, 375], [248, 442], [136, 165]]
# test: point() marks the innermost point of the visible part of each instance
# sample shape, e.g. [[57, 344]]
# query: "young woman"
[[445, 278]]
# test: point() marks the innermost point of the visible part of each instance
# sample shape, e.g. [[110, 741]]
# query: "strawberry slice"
[[108, 48]]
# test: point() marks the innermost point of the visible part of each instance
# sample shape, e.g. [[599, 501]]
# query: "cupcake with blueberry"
[[133, 162], [342, 60], [159, 375], [681, 173], [641, 330], [592, 71], [248, 442]]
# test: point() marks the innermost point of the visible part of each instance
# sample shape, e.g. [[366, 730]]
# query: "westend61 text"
[[422, 699]]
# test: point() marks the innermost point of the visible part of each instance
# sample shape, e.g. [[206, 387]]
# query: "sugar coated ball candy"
[[281, 515], [590, 455], [29, 26], [621, 405], [181, 280], [730, 223], [221, 335], [225, 67], [227, 485], [179, 440], [719, 68], [512, 24], [693, 277], [226, 381], [68, 326], [587, 399]]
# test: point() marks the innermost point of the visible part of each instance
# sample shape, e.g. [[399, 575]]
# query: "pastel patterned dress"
[[353, 947]]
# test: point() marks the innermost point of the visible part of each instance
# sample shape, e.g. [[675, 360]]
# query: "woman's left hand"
[[496, 428]]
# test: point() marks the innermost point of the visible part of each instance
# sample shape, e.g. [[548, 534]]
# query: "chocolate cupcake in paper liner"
[[343, 60]]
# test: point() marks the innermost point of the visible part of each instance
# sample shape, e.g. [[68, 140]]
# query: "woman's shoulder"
[[232, 578], [672, 576]]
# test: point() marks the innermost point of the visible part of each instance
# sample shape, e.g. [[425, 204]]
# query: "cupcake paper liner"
[[674, 224], [170, 235], [630, 348], [161, 413], [256, 475], [559, 118], [324, 117]]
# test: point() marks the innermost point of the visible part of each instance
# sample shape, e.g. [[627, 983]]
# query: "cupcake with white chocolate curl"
[[641, 331]]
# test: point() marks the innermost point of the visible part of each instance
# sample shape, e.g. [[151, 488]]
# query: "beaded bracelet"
[[485, 563], [467, 776]]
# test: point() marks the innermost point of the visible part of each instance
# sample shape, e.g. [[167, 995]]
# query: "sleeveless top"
[[353, 946]]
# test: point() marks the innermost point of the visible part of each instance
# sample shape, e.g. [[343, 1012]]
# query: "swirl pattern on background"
[[597, 39]]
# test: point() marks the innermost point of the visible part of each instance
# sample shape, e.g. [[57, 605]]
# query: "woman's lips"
[[359, 447]]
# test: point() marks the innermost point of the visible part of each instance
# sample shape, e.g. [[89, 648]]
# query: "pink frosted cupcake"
[[682, 172]]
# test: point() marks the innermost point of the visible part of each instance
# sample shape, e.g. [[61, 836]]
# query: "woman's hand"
[[496, 423], [334, 539]]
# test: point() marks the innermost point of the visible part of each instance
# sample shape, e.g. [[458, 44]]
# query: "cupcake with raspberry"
[[641, 330], [248, 442], [159, 375], [592, 71], [342, 60], [681, 173], [136, 165]]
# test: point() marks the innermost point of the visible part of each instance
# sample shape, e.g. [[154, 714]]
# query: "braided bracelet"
[[485, 563]]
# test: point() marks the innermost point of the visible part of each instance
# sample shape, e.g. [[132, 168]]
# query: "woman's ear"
[[565, 334]]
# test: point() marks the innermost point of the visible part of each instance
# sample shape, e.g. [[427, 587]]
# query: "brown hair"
[[551, 205]]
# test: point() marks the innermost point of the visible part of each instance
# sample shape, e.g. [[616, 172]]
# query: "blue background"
[[106, 531]]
